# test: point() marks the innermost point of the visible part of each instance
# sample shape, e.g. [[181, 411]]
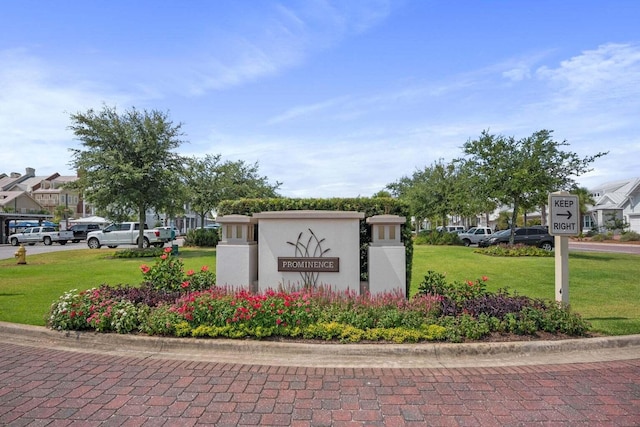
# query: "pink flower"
[[278, 321], [185, 284], [145, 268], [485, 278], [163, 256], [469, 282], [204, 268], [190, 273], [167, 250]]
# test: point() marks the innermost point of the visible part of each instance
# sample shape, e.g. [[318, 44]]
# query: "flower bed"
[[173, 302]]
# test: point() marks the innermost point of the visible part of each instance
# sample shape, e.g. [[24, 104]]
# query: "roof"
[[615, 194]]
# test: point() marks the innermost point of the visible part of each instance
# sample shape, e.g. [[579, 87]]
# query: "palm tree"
[[584, 199]]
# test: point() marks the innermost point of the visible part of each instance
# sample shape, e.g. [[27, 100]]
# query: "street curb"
[[330, 354]]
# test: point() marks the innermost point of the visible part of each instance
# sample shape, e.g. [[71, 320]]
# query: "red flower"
[[485, 278], [163, 256], [185, 284], [278, 321], [167, 250], [204, 268], [469, 282], [190, 273], [145, 268]]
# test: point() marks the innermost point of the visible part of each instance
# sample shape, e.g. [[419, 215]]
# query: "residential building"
[[615, 200]]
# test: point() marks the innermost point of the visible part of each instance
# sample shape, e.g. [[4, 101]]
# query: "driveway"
[[621, 248]]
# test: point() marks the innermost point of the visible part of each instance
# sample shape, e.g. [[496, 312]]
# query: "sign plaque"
[[564, 213], [318, 264]]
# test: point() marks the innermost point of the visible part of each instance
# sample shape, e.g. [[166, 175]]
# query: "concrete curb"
[[429, 355]]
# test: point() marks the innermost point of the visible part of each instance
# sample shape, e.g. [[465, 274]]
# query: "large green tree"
[[209, 181], [521, 173], [442, 190], [127, 163], [584, 200]]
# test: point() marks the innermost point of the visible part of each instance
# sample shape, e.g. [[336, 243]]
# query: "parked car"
[[451, 228], [533, 236], [80, 231], [127, 233], [46, 235], [474, 235]]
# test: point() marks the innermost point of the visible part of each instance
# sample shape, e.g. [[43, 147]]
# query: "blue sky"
[[331, 98]]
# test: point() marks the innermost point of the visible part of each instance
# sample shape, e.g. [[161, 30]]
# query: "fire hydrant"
[[21, 255]]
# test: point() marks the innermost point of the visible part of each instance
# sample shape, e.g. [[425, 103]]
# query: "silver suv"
[[474, 235]]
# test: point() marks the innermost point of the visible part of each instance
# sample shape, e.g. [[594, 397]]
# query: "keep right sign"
[[564, 213]]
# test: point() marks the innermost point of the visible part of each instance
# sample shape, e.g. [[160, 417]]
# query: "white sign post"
[[564, 214]]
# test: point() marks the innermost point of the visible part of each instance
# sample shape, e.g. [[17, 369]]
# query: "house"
[[48, 191], [615, 200], [18, 202]]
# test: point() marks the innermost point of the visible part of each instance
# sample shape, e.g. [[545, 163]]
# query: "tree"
[[427, 192], [209, 182], [584, 199], [442, 190], [521, 173], [127, 164]]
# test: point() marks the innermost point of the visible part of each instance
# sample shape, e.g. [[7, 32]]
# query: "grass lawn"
[[27, 291], [603, 287]]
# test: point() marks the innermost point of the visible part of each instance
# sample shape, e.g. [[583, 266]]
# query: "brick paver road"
[[41, 386]]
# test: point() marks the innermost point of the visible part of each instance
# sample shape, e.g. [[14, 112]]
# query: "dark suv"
[[80, 231], [534, 236]]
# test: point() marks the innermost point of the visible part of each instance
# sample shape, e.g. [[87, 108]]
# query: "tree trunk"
[[141, 220], [514, 218]]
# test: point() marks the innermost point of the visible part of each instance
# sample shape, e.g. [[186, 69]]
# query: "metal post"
[[562, 269]]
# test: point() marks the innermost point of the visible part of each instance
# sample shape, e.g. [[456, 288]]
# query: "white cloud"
[[34, 112], [612, 71]]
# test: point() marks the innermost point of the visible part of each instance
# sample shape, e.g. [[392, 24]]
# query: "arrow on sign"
[[568, 215]]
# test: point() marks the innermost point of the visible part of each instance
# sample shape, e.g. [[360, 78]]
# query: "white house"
[[620, 200]]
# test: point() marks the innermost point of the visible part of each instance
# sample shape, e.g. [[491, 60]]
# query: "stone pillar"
[[237, 253], [387, 256]]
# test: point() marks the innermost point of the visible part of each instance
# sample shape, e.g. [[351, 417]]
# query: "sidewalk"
[[53, 378]]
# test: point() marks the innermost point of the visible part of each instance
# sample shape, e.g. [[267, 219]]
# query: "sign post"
[[564, 214]]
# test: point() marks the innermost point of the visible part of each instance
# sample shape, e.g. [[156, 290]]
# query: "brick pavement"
[[41, 386]]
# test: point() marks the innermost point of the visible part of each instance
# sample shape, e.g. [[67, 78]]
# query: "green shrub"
[[167, 274], [518, 250], [630, 236], [437, 238], [138, 253], [435, 284], [204, 237], [71, 310], [160, 320]]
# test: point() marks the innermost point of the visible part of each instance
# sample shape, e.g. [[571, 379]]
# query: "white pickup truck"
[[473, 235], [127, 233], [44, 234]]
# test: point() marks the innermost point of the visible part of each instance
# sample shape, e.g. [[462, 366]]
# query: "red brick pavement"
[[40, 386]]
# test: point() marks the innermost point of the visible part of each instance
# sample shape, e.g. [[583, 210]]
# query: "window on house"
[[587, 221]]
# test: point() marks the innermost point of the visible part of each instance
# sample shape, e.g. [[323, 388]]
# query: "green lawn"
[[603, 287], [27, 291]]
